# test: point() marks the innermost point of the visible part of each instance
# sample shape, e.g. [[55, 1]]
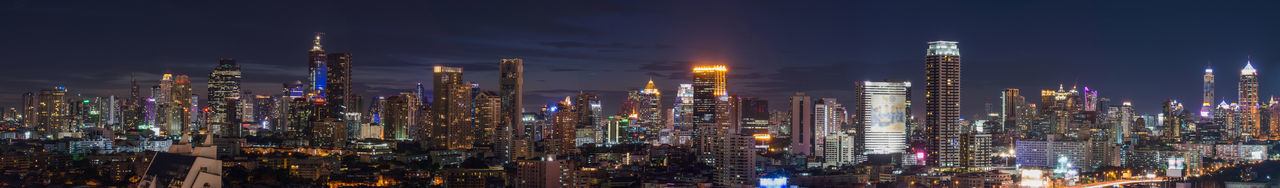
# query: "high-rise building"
[[224, 93], [942, 104], [338, 89], [1249, 102], [450, 110], [52, 112], [395, 117], [564, 132], [826, 120], [884, 108], [1011, 102], [709, 106], [841, 149], [682, 114], [510, 85], [318, 72], [802, 129], [30, 110], [178, 114], [488, 131], [587, 106], [753, 115], [1206, 108], [1172, 122]]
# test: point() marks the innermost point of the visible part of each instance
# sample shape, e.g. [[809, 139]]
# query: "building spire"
[[1248, 69], [316, 43]]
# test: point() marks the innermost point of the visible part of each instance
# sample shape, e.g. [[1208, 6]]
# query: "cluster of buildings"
[[459, 134]]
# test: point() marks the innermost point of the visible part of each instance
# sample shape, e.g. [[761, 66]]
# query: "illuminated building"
[[802, 129], [52, 112], [942, 104], [736, 165], [682, 114], [1173, 121], [588, 109], [328, 133], [885, 108], [451, 129], [1249, 102], [30, 110], [753, 115], [318, 75], [395, 117], [828, 117], [488, 110], [511, 83], [564, 128], [709, 106], [976, 148], [547, 172], [224, 93], [338, 87], [645, 106], [840, 150], [1206, 108]]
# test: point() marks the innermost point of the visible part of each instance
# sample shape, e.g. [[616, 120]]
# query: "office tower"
[[683, 114], [942, 104], [338, 89], [451, 127], [884, 108], [52, 112], [510, 86], [753, 115], [301, 114], [564, 135], [179, 106], [1249, 102], [975, 155], [709, 104], [318, 71], [1123, 129], [841, 149], [1010, 101], [163, 93], [395, 117], [828, 117], [587, 106], [1207, 107], [488, 109], [30, 110], [645, 106], [1172, 122], [802, 129], [224, 92]]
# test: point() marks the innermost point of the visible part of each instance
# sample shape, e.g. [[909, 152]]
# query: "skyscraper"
[[1249, 102], [802, 129], [338, 91], [1206, 108], [318, 75], [709, 104], [510, 84], [450, 110], [649, 109], [1011, 101], [224, 93], [52, 112], [884, 110], [942, 104], [179, 106]]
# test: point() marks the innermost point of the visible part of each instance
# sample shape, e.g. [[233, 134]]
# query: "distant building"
[[174, 170]]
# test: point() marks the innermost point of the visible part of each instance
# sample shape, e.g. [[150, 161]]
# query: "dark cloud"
[[614, 45]]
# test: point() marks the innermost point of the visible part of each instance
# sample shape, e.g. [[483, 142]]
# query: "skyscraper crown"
[[943, 48]]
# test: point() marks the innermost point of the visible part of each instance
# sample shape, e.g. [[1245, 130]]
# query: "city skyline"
[[569, 46]]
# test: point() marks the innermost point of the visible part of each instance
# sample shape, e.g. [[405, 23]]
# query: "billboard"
[[886, 124]]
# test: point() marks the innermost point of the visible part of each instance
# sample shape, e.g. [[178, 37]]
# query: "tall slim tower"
[[1206, 108], [942, 104], [802, 125], [318, 75], [224, 94], [338, 91], [451, 109], [709, 103], [1249, 101], [510, 84]]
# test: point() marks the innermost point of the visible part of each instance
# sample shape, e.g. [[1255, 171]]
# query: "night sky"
[[1144, 51]]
